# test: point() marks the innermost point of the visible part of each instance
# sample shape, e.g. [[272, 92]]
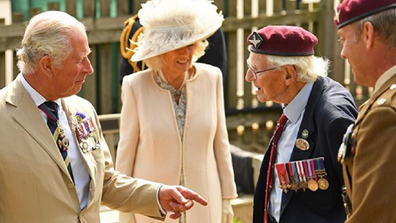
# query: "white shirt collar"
[[296, 107]]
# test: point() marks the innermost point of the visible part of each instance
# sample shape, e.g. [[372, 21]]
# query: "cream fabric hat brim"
[[172, 24]]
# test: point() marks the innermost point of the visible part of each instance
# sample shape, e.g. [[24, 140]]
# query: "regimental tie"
[[50, 108], [270, 172]]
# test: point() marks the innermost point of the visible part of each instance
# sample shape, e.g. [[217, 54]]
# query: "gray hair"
[[384, 26], [200, 46], [47, 33], [308, 68]]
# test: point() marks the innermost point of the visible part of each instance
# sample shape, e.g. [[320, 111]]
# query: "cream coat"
[[34, 183], [150, 146]]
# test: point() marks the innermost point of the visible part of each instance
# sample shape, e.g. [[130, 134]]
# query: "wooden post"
[[262, 7], [15, 67], [89, 87], [71, 7], [89, 7], [105, 79], [247, 86], [231, 39], [137, 5], [104, 8], [2, 62], [278, 8], [219, 4], [122, 7], [2, 69], [330, 47], [34, 11], [18, 17], [53, 6]]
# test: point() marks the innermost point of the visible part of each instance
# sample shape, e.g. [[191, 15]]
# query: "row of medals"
[[312, 184], [86, 138], [63, 142]]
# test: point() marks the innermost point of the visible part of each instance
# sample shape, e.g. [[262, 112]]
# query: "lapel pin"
[[305, 134], [302, 144]]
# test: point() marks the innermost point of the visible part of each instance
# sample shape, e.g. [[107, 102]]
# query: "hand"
[[228, 213], [177, 199]]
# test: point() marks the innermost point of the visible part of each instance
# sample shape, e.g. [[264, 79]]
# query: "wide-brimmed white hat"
[[172, 24]]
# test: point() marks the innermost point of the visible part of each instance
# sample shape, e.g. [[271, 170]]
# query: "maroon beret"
[[352, 10], [282, 41]]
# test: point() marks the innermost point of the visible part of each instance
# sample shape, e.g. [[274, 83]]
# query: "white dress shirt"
[[294, 113], [80, 173]]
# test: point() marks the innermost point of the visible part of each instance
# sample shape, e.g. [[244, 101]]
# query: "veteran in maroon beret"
[[300, 179], [367, 32]]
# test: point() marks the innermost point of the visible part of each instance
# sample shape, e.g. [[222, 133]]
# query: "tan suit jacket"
[[150, 146], [34, 183], [369, 168]]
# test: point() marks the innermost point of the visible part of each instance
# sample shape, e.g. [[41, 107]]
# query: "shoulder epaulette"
[[128, 45]]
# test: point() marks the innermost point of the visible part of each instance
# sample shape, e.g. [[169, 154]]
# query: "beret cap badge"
[[256, 40], [337, 15]]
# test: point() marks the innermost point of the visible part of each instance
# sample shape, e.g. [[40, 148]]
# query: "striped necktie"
[[50, 108], [270, 172]]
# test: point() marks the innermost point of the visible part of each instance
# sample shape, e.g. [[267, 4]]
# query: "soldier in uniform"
[[367, 32]]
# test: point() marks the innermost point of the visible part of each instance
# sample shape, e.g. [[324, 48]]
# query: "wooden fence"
[[250, 123]]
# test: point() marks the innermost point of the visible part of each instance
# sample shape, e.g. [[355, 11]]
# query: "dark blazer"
[[329, 111]]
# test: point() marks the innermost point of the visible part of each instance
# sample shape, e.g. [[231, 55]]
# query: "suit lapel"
[[305, 131], [307, 127], [28, 116]]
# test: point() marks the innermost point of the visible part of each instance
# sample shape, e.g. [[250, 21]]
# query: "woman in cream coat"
[[176, 109]]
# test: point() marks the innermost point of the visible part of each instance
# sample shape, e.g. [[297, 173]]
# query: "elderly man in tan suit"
[[55, 166]]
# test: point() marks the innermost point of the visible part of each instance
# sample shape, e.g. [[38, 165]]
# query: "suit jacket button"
[[70, 185]]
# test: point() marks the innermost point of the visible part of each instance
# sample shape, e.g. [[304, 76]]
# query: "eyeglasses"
[[255, 72]]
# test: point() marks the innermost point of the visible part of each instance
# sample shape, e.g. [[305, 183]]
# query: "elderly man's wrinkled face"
[[270, 82], [70, 78]]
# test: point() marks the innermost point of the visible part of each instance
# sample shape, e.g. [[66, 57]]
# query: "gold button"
[[70, 185]]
